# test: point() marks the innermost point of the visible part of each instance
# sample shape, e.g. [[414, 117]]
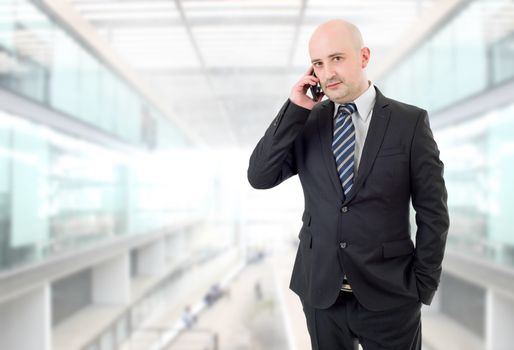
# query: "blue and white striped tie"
[[343, 145]]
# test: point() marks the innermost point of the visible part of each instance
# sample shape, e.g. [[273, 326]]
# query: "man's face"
[[339, 65]]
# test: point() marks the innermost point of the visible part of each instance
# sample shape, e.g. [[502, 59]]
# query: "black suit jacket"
[[366, 235]]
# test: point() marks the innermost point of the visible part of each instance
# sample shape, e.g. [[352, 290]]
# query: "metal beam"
[[475, 105], [209, 21], [18, 105], [221, 107], [217, 71], [296, 35], [69, 19]]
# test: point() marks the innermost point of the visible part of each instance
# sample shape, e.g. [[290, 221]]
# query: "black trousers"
[[347, 323]]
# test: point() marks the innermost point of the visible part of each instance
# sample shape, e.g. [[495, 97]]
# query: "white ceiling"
[[226, 66]]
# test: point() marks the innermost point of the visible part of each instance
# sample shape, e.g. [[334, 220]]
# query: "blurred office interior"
[[126, 220]]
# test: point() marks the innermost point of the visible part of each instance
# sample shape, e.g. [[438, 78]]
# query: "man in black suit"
[[361, 158]]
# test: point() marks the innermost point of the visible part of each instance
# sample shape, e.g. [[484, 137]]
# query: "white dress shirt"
[[361, 119]]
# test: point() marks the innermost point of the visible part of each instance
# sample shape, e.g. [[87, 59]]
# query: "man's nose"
[[328, 72]]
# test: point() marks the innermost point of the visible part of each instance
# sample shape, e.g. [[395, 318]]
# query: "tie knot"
[[347, 109]]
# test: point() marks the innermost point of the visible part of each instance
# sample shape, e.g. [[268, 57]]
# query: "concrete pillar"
[[25, 321], [111, 281], [151, 258], [499, 321]]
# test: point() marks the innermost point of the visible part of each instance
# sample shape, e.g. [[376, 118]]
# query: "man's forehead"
[[325, 47]]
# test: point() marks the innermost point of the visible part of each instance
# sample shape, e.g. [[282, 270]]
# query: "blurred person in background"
[[188, 318], [361, 158]]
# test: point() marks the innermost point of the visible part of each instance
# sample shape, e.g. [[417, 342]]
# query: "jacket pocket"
[[397, 248], [390, 151]]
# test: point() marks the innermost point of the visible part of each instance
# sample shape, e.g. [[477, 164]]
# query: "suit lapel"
[[377, 128], [325, 129]]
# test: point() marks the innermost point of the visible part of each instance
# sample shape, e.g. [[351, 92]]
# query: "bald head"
[[339, 59], [340, 30]]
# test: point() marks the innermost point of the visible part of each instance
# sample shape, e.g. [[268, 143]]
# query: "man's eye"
[[317, 64], [338, 58]]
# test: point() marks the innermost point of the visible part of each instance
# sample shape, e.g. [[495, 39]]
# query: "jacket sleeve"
[[429, 199], [272, 161]]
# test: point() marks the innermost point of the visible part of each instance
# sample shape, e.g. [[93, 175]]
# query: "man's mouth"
[[333, 85]]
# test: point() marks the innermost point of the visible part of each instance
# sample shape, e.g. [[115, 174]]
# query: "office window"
[[7, 9], [502, 55], [29, 187], [64, 77], [470, 53], [88, 88], [108, 106], [33, 47], [5, 196], [479, 170]]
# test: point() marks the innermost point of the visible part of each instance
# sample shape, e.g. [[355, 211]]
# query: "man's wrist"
[[300, 105]]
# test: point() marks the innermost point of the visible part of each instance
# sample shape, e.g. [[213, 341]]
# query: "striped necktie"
[[343, 145]]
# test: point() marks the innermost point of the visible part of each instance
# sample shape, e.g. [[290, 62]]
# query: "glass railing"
[[470, 53], [40, 60], [59, 193], [479, 167]]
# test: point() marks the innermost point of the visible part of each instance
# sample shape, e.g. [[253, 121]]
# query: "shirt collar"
[[364, 102]]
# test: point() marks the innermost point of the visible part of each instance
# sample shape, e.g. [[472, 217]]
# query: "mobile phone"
[[315, 90]]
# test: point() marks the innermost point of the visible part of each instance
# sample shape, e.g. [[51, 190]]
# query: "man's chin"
[[338, 96], [340, 99]]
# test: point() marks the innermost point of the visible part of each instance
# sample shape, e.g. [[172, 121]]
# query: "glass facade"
[[43, 62], [471, 54], [59, 192], [474, 51], [479, 157]]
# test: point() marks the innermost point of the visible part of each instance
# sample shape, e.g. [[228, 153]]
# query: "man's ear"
[[365, 54]]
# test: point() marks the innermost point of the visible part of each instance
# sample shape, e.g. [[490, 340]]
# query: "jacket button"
[[343, 245], [344, 209]]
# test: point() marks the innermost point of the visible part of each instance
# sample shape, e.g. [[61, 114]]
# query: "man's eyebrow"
[[329, 56]]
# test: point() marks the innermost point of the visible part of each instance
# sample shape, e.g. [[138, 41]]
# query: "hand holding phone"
[[299, 92], [316, 91]]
